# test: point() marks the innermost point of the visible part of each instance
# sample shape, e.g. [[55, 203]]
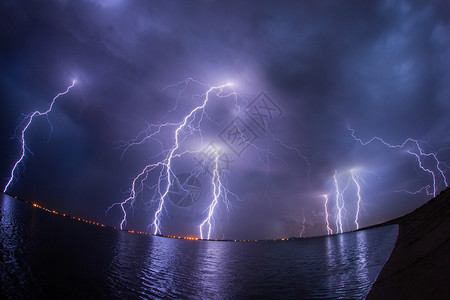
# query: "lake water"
[[47, 256]]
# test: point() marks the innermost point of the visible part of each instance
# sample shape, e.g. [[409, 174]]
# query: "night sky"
[[380, 67]]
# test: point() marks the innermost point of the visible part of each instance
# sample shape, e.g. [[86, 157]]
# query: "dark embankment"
[[419, 266]]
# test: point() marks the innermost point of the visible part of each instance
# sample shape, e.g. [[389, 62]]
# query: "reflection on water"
[[354, 260], [45, 255]]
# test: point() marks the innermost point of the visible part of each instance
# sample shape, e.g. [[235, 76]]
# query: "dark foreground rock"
[[419, 266]]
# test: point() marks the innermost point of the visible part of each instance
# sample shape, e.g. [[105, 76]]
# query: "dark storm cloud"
[[379, 66]]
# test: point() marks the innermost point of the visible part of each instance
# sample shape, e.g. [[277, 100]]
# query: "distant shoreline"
[[80, 219], [418, 266]]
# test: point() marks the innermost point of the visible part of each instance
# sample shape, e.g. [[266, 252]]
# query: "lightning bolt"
[[339, 204], [355, 179], [329, 230], [425, 188], [217, 188], [303, 223], [419, 155], [156, 221], [189, 125], [30, 117]]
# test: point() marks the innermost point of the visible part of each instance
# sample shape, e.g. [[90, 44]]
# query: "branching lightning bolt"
[[30, 118], [188, 126], [419, 155], [166, 177]]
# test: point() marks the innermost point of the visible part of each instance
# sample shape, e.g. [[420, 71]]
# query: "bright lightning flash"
[[327, 216], [339, 204], [30, 118], [356, 180], [189, 125], [303, 223], [217, 189]]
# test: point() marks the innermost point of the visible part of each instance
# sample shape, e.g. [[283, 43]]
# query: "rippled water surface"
[[44, 255]]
